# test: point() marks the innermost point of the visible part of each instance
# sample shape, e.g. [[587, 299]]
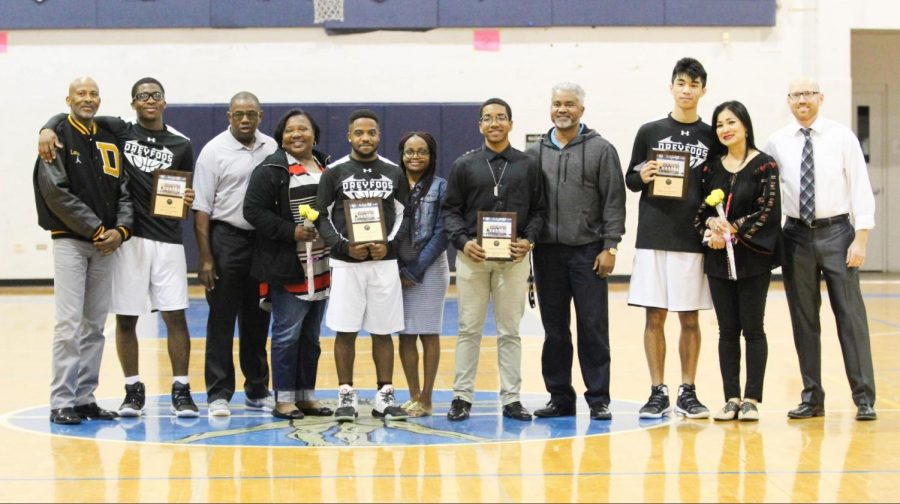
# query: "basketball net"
[[328, 10]]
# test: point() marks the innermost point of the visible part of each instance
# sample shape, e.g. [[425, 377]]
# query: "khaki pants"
[[81, 291], [506, 284]]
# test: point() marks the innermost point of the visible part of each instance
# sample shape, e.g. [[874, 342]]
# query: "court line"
[[609, 474]]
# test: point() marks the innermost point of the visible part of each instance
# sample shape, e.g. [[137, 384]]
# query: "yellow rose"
[[308, 213], [715, 197]]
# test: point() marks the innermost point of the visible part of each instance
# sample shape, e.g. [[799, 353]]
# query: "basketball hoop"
[[328, 10]]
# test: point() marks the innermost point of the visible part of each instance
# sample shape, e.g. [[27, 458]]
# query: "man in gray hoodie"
[[576, 252]]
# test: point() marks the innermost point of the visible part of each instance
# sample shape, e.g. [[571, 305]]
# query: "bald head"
[[84, 99], [82, 81], [244, 96], [804, 82]]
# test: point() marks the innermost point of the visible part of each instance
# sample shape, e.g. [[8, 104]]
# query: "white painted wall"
[[624, 70]]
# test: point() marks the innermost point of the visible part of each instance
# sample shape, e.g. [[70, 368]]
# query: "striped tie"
[[807, 181]]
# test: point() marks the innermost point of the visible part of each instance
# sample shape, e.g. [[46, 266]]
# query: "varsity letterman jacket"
[[84, 191]]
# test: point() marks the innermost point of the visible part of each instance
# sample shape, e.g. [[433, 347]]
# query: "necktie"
[[807, 181]]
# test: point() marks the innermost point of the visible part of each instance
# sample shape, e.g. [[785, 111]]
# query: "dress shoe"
[[516, 411], [600, 412], [865, 412], [65, 416], [553, 410], [312, 408], [459, 410], [290, 415], [806, 410], [94, 412]]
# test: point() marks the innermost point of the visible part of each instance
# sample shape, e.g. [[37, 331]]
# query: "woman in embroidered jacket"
[[749, 215]]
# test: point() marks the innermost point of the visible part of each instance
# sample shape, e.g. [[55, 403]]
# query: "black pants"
[[811, 254], [740, 308], [564, 273], [235, 297]]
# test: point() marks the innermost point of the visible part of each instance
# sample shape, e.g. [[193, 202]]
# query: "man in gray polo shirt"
[[225, 241]]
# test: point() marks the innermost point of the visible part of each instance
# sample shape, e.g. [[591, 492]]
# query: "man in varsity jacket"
[[365, 279], [82, 199], [153, 262]]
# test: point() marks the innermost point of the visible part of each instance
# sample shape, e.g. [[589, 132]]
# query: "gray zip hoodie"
[[585, 190]]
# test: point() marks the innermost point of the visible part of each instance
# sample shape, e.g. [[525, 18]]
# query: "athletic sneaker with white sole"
[[688, 405], [219, 408], [135, 397], [347, 409], [385, 406], [658, 404], [183, 405]]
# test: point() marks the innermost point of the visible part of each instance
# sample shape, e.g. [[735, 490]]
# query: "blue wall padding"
[[609, 12], [365, 15]]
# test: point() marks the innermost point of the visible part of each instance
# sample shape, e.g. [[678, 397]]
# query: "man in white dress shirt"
[[830, 208]]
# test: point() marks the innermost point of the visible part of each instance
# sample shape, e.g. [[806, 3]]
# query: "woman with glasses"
[[740, 221], [424, 271], [292, 261]]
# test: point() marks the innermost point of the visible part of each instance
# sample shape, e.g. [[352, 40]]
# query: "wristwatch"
[[613, 251]]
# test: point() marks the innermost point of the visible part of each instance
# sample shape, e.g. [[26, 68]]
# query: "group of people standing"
[[274, 242]]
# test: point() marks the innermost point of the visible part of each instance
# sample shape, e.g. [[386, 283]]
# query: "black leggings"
[[740, 307]]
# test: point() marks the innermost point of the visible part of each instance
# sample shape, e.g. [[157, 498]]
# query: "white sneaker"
[[748, 412], [266, 403], [219, 408], [347, 405], [728, 412], [385, 407]]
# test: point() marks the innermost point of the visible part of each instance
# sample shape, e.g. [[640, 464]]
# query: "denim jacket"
[[428, 235]]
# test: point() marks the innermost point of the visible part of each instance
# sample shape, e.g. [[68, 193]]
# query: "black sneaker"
[[688, 404], [135, 397], [658, 404], [347, 406], [182, 403]]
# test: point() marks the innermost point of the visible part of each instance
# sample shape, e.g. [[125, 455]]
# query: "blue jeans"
[[295, 344]]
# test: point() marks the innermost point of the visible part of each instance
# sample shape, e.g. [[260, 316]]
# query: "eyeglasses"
[[144, 96], [239, 115], [802, 94], [413, 153], [500, 119]]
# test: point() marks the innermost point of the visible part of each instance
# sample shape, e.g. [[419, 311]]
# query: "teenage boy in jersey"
[[365, 279], [496, 178], [153, 261], [668, 260], [226, 241], [82, 199]]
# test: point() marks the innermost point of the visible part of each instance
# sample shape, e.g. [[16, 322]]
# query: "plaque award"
[[365, 220], [672, 177], [496, 232], [167, 198]]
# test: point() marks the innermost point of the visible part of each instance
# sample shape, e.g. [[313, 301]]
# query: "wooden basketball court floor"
[[834, 458]]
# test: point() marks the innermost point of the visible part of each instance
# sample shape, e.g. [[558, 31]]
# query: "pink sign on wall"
[[3, 40], [487, 40]]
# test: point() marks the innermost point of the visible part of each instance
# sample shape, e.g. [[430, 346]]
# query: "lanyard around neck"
[[497, 180]]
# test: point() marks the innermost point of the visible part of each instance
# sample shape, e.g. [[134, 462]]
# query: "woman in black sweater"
[[748, 221]]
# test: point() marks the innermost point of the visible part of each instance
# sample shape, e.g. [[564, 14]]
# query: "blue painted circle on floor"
[[255, 428]]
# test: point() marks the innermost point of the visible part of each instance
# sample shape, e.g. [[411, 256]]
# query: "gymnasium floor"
[[253, 458]]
